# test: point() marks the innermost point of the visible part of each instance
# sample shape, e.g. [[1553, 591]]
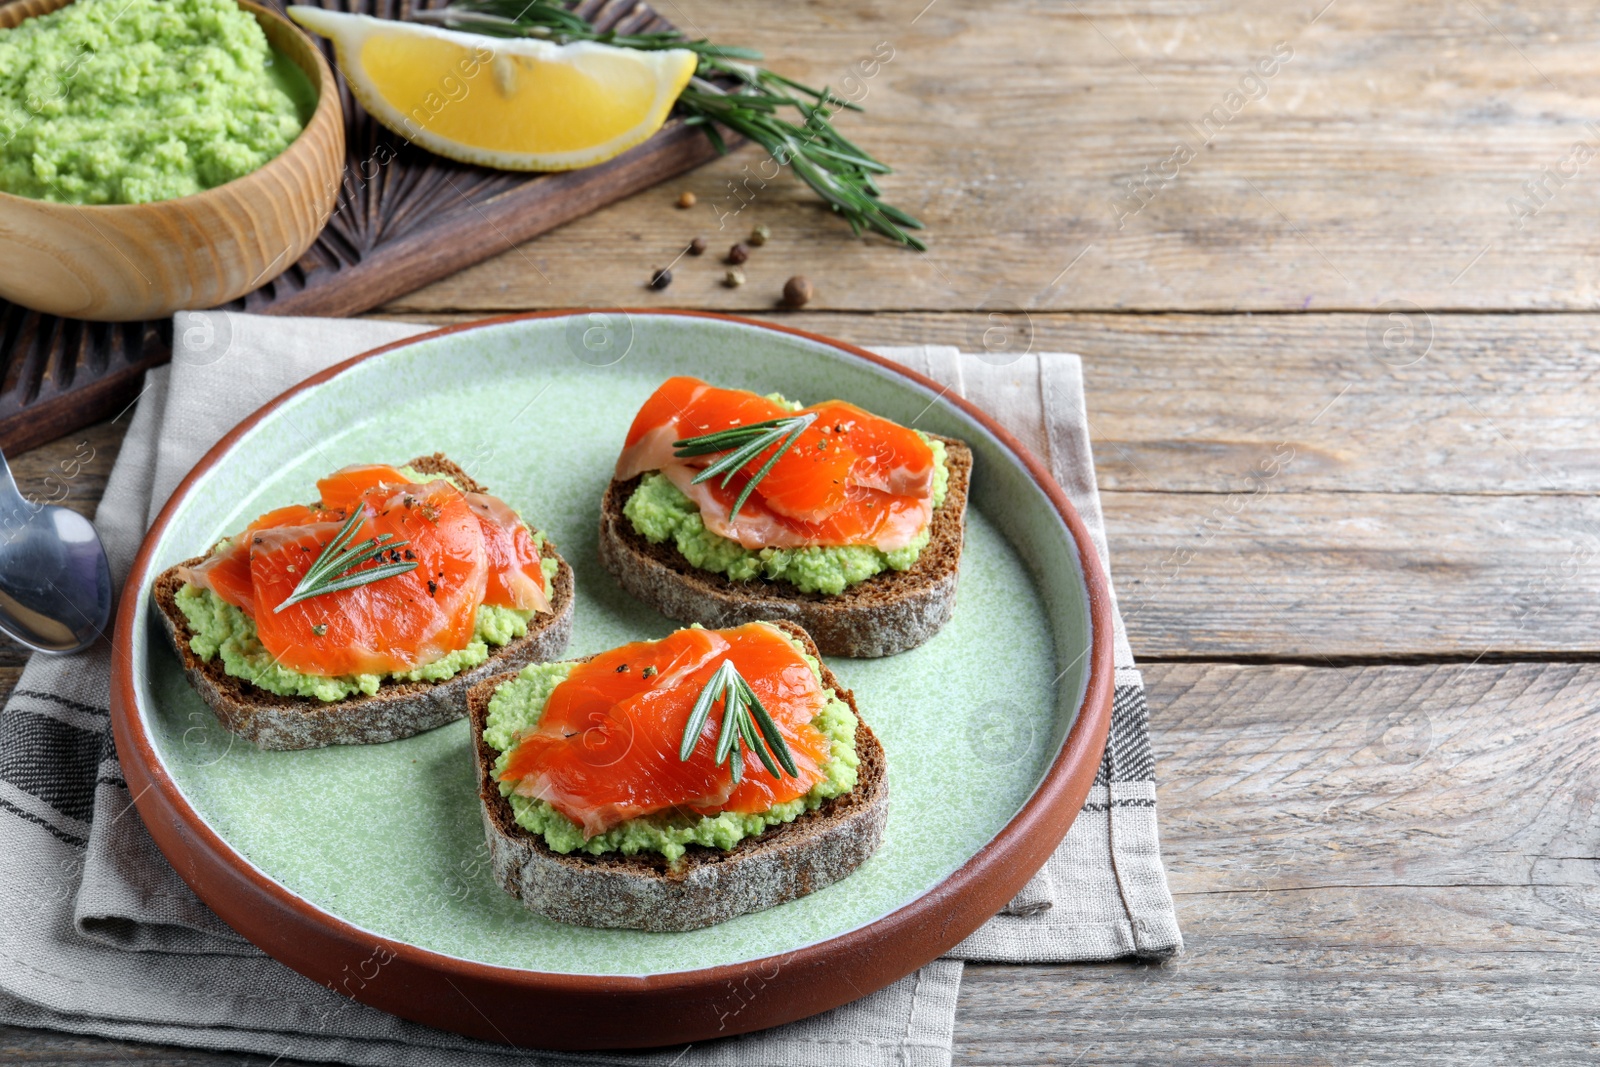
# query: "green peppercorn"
[[734, 278], [759, 235]]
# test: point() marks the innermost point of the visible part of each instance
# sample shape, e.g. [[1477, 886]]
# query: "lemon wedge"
[[515, 104]]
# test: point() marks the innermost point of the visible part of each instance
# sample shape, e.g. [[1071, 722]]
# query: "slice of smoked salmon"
[[870, 517], [227, 573], [851, 478], [515, 579], [386, 626], [606, 747], [664, 406], [346, 487]]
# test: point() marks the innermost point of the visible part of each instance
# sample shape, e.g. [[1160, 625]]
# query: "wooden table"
[[1338, 327]]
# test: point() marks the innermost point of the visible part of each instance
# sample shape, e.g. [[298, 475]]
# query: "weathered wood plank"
[[1447, 977], [1446, 776], [1375, 865], [1197, 403], [1320, 576], [1415, 402], [1377, 165]]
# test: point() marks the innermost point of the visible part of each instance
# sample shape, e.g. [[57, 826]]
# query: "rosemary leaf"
[[728, 739], [745, 724], [743, 444], [334, 569], [788, 442], [697, 717], [747, 730], [769, 730]]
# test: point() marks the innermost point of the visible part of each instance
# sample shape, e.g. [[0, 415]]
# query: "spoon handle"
[[12, 502]]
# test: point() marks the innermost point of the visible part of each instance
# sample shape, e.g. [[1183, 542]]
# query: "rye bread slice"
[[397, 709], [708, 885], [888, 613]]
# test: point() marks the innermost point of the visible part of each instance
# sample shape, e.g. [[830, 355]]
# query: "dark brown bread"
[[708, 885], [887, 613], [397, 709]]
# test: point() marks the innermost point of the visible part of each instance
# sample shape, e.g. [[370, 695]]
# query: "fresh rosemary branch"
[[334, 568], [742, 445], [743, 715], [841, 173]]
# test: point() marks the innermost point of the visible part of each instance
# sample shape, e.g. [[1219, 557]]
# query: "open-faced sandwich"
[[672, 784], [727, 507], [364, 617]]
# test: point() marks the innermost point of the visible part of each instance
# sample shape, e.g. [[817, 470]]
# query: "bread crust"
[[397, 709], [888, 613], [708, 885]]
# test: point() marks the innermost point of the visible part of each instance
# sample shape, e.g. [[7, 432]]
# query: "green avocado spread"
[[221, 629], [515, 709], [660, 512], [131, 101]]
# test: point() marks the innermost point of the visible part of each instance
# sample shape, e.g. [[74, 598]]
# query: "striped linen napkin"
[[100, 936]]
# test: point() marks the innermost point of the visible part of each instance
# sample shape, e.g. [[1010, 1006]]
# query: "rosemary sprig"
[[334, 567], [743, 715], [841, 173], [743, 444]]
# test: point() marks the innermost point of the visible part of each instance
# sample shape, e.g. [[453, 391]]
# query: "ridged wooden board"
[[404, 218]]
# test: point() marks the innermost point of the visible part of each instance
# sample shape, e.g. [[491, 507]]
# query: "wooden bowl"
[[121, 262]]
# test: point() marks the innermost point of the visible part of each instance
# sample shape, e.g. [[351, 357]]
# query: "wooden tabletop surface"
[[1372, 272]]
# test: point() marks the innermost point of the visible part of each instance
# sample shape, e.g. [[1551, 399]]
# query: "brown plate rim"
[[541, 1009]]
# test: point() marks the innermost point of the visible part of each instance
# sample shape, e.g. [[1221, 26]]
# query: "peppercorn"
[[697, 247], [738, 254], [797, 291], [734, 278], [686, 199], [661, 279], [759, 235]]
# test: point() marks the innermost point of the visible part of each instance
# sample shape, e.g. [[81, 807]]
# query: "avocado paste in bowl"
[[133, 101]]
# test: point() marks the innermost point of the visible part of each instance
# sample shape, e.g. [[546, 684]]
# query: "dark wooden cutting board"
[[405, 218]]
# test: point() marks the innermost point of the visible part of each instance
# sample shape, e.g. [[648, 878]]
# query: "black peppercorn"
[[661, 279], [797, 291], [738, 254]]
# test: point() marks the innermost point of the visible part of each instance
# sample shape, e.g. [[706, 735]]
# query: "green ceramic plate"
[[383, 843]]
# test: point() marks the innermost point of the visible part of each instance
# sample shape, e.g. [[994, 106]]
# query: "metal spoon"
[[55, 583]]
